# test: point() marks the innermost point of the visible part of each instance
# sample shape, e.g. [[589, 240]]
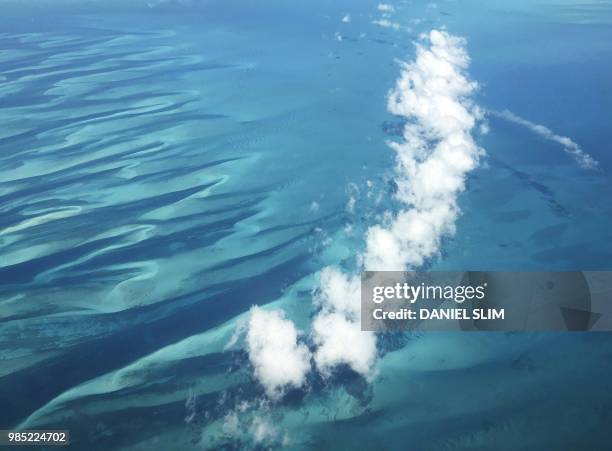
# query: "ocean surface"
[[166, 165]]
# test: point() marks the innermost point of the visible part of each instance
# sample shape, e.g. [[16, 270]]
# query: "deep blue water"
[[164, 167]]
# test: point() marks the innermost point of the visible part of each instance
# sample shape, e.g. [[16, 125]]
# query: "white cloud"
[[336, 330], [262, 430], [350, 205], [432, 161], [278, 359], [386, 23], [340, 340], [190, 406], [437, 152], [253, 425], [583, 158], [386, 8], [231, 424], [338, 293], [435, 156], [346, 18], [239, 331]]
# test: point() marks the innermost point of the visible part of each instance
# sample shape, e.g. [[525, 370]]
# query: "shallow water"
[[163, 167]]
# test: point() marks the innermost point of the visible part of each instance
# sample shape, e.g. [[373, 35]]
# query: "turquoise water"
[[165, 166]]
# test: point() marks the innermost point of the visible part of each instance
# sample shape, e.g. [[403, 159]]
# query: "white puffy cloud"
[[336, 330], [412, 237], [385, 8], [340, 340], [338, 293], [583, 158], [435, 156], [252, 425], [386, 23], [263, 430], [346, 18], [432, 161], [279, 361]]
